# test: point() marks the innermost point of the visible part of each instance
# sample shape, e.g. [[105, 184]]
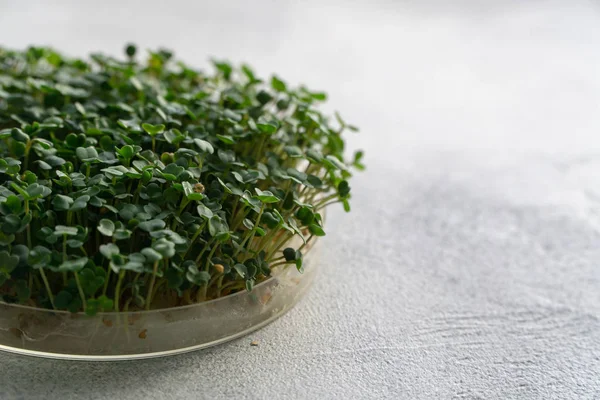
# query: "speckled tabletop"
[[469, 265]]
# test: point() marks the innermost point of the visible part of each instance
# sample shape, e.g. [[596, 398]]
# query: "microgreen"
[[128, 184]]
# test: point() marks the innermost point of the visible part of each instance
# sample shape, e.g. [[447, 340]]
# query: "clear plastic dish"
[[154, 333]]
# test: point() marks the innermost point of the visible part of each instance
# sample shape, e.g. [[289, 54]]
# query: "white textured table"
[[469, 267]]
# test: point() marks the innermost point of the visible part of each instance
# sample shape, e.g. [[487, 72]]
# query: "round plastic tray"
[[154, 333]]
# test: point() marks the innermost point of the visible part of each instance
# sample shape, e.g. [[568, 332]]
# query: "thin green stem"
[[48, 290], [184, 203], [280, 263], [29, 245], [118, 290], [201, 295], [264, 242], [27, 150], [64, 258], [283, 240], [212, 252], [80, 289], [306, 243], [252, 231], [325, 200], [152, 281], [193, 239], [107, 280], [208, 244], [322, 206], [239, 219]]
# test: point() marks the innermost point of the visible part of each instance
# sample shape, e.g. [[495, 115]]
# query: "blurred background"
[[468, 267]]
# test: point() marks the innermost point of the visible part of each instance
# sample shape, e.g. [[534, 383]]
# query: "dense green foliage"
[[127, 185]]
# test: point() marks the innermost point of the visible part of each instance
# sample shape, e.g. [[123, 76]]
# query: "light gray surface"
[[469, 266]]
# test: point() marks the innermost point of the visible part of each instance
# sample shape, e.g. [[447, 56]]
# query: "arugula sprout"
[[124, 184]]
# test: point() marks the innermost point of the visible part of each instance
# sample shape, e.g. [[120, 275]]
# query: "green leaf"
[[297, 176], [55, 161], [299, 265], [164, 247], [216, 226], [314, 156], [109, 250], [357, 163], [151, 255], [80, 203], [172, 171], [267, 126], [8, 262], [293, 151], [39, 257], [231, 115], [224, 67], [225, 139], [65, 230], [248, 72], [122, 234], [335, 163], [204, 146], [80, 108], [316, 230], [126, 152], [313, 181], [153, 130], [19, 135], [36, 191], [62, 203], [6, 239], [204, 211], [320, 96], [263, 97], [86, 154], [106, 227], [132, 125], [228, 157], [196, 276], [174, 136], [266, 196], [292, 224], [73, 265], [278, 84], [43, 165], [12, 224], [241, 270], [74, 140], [269, 219], [343, 189], [152, 225], [12, 205], [305, 215]]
